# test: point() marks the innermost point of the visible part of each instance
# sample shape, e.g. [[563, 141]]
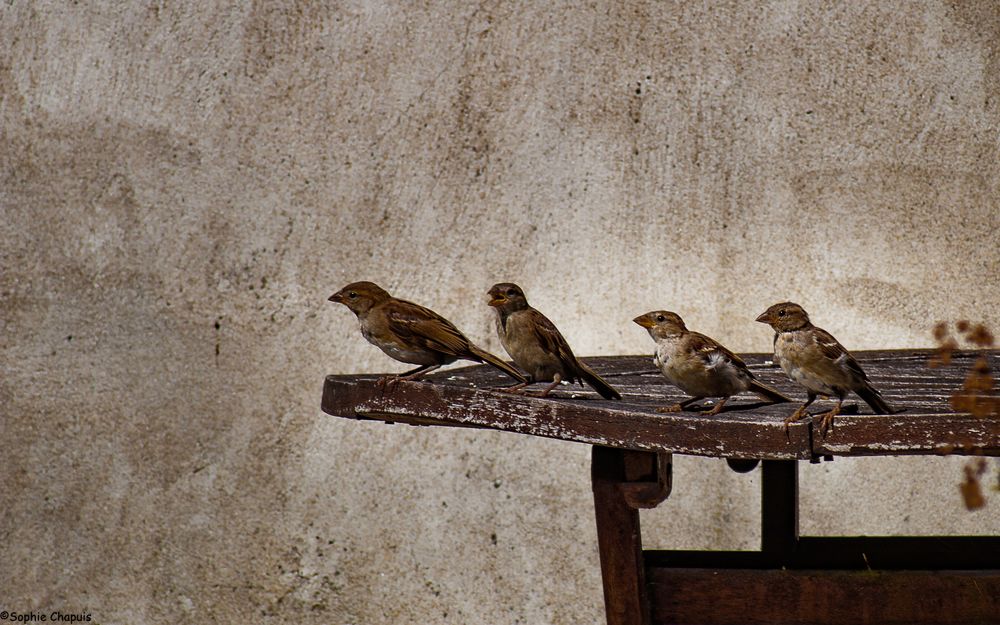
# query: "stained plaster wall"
[[184, 184]]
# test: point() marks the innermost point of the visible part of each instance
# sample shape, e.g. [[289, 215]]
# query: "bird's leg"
[[800, 413], [717, 409], [419, 372], [826, 423], [516, 388], [556, 379], [681, 406], [392, 380]]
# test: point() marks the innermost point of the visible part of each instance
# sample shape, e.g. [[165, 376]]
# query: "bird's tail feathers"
[[490, 359], [874, 399], [767, 392], [604, 389]]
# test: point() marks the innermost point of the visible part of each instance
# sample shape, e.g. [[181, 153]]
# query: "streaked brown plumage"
[[699, 365], [411, 333], [813, 358], [536, 346]]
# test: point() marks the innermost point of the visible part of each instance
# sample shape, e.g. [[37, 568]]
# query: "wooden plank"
[[898, 552], [884, 553], [747, 428], [777, 597], [597, 422], [905, 433]]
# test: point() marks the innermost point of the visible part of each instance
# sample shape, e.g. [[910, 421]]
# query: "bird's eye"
[[781, 313], [352, 295], [511, 292], [660, 318]]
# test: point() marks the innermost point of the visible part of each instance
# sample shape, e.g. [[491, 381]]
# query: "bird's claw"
[[795, 417], [516, 389], [826, 421], [539, 394], [388, 382]]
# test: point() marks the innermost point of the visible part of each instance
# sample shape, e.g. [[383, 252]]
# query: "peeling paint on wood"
[[469, 397]]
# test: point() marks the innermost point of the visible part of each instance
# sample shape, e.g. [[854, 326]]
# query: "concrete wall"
[[183, 185]]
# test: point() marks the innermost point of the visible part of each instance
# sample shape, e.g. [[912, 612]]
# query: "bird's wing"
[[424, 327], [712, 352], [831, 349], [551, 339]]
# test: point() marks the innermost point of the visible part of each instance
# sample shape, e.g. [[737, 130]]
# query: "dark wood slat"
[[884, 553], [898, 552], [746, 428], [776, 597], [871, 435], [687, 559], [598, 422]]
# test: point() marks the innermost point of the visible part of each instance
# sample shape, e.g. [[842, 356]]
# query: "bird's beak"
[[644, 321], [496, 300], [764, 317], [336, 297]]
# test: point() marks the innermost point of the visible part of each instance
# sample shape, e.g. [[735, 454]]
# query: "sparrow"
[[813, 358], [411, 333], [535, 345], [699, 365]]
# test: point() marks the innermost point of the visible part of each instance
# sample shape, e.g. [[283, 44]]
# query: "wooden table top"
[[746, 428]]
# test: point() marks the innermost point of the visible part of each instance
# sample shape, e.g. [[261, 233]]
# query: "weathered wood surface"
[[619, 539], [779, 597], [746, 428]]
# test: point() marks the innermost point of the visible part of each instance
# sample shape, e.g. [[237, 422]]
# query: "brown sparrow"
[[698, 364], [536, 346], [813, 358], [411, 333]]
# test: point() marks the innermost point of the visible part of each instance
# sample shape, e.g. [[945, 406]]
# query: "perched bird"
[[536, 346], [698, 364], [411, 333], [814, 359]]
